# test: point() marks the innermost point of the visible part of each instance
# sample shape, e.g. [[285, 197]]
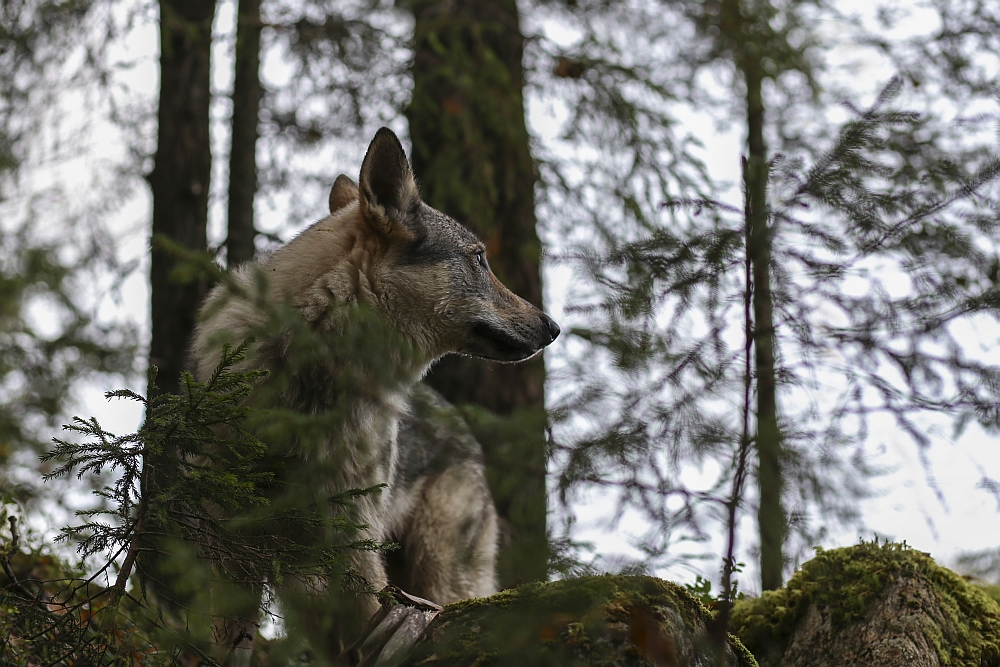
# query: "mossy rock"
[[608, 621], [991, 590], [872, 605]]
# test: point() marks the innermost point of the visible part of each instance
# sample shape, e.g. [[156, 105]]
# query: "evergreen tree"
[[673, 341], [228, 529], [179, 182], [743, 33]]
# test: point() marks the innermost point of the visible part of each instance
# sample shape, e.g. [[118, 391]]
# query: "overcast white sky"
[[944, 515]]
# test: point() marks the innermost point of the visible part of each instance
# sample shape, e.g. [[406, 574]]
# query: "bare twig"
[[720, 627]]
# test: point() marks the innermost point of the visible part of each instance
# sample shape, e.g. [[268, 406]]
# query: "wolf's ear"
[[343, 192], [388, 192]]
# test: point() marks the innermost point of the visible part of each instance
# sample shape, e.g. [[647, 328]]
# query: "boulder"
[[609, 621]]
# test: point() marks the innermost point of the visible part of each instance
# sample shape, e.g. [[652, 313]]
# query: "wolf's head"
[[429, 275]]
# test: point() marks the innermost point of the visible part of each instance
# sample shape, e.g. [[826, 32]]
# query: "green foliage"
[[200, 434], [347, 76], [845, 584], [670, 315], [622, 148], [702, 589], [224, 520], [59, 268], [953, 56], [991, 590], [51, 340]]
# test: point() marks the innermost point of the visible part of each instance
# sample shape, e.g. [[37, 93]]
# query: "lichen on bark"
[[872, 605]]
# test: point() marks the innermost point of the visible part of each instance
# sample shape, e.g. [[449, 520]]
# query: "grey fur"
[[427, 277], [441, 511]]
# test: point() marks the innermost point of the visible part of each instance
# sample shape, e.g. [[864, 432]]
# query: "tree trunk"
[[471, 156], [243, 153], [770, 514], [180, 177], [739, 35], [180, 184]]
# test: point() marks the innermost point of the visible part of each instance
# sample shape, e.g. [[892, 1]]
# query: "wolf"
[[427, 280]]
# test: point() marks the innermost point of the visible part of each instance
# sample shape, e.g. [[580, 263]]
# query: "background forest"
[[769, 230]]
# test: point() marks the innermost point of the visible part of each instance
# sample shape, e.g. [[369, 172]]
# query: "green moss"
[[847, 582], [992, 591], [606, 620]]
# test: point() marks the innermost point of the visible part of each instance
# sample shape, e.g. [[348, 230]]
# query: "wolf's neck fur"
[[332, 267], [327, 273]]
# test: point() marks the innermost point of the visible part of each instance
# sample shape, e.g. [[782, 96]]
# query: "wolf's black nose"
[[551, 325]]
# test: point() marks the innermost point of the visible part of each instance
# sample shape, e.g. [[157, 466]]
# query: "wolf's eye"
[[481, 258]]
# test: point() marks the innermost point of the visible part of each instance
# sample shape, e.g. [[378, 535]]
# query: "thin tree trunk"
[[742, 39], [243, 154], [770, 514], [471, 155]]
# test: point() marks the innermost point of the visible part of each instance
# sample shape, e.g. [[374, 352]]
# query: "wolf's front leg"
[[450, 538], [368, 564]]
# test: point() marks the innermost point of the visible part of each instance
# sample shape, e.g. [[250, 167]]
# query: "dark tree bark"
[[471, 156], [770, 513], [180, 184], [243, 154], [180, 177]]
